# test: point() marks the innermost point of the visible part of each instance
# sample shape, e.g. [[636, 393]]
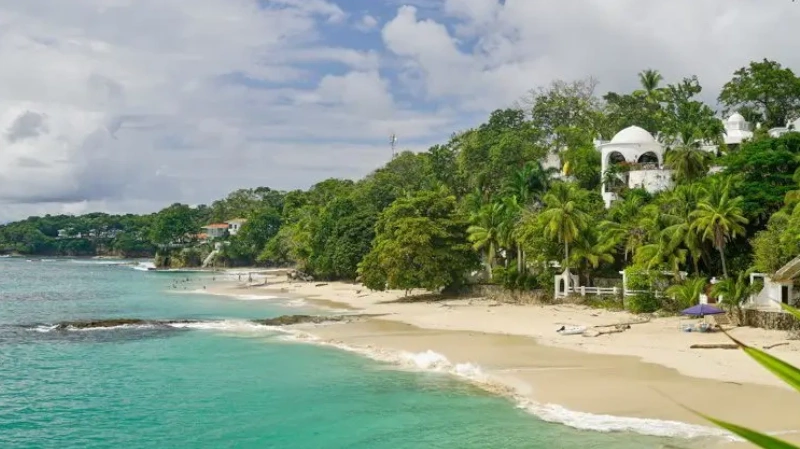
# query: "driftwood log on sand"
[[714, 346], [597, 333], [615, 328], [627, 323], [776, 345]]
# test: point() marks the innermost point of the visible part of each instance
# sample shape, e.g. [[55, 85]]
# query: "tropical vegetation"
[[513, 201]]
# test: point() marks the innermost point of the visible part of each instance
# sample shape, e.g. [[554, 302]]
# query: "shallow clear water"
[[231, 387]]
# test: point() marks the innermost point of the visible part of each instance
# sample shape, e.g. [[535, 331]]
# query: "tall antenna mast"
[[393, 142]]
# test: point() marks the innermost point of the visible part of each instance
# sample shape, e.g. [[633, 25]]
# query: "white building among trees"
[[633, 158]]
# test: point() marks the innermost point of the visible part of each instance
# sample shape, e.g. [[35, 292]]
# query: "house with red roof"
[[216, 230]]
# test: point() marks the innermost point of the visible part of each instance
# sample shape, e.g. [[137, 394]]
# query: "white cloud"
[[134, 104], [526, 43], [366, 23], [130, 103]]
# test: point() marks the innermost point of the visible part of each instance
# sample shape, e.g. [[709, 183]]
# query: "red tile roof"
[[217, 226]]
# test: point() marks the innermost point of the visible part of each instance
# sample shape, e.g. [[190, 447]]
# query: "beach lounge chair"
[[704, 327]]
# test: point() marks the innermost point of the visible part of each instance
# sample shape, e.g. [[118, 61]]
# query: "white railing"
[[600, 291]]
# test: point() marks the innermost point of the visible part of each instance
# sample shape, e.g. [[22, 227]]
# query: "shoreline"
[[602, 384]]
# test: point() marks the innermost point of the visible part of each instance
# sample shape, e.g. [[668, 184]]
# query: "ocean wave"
[[101, 262], [431, 361], [608, 423], [233, 326], [144, 266], [51, 328], [239, 296]]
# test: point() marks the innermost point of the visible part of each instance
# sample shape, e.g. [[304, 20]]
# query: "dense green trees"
[[765, 92], [517, 195], [125, 235], [420, 242], [766, 168], [177, 223]]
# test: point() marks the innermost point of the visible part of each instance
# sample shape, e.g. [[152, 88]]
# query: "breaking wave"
[[431, 361]]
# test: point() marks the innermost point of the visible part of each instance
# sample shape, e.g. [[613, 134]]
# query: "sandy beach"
[[622, 381]]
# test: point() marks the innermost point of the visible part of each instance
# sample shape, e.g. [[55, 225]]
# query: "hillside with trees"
[[488, 205]]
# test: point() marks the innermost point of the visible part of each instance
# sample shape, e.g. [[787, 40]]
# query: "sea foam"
[[431, 361]]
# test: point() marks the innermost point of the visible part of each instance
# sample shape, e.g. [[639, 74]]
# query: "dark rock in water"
[[285, 320], [116, 322], [100, 323], [288, 320]]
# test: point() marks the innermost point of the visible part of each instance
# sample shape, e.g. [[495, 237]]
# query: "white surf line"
[[430, 361]]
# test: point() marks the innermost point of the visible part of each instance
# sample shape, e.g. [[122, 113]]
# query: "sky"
[[131, 105]]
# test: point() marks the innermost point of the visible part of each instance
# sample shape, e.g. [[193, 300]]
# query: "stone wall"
[[500, 294], [607, 282], [771, 320]]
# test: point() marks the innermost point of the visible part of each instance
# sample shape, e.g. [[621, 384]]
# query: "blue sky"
[[129, 105]]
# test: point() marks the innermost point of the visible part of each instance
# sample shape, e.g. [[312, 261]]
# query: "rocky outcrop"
[[284, 320], [289, 320], [117, 322]]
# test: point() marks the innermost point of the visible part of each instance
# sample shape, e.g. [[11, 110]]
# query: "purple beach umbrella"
[[702, 310]]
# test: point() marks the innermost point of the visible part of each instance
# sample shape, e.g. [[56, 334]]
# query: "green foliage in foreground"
[[786, 372]]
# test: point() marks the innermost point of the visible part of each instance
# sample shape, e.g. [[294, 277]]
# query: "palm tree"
[[590, 250], [512, 213], [650, 79], [689, 162], [623, 227], [688, 293], [485, 232], [718, 218], [529, 183], [735, 292], [563, 217], [679, 204], [659, 250], [662, 253]]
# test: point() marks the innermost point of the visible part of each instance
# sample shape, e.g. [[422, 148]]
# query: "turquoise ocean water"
[[224, 385]]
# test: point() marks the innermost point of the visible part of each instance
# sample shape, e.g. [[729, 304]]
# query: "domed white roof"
[[736, 118], [633, 134]]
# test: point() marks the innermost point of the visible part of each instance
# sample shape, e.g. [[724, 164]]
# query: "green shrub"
[[643, 303], [499, 275]]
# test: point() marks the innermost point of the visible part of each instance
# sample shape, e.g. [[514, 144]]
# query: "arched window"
[[648, 158], [615, 157]]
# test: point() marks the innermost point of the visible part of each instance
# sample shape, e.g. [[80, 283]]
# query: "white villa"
[[792, 125], [643, 156], [215, 230], [778, 288], [234, 225], [218, 230]]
